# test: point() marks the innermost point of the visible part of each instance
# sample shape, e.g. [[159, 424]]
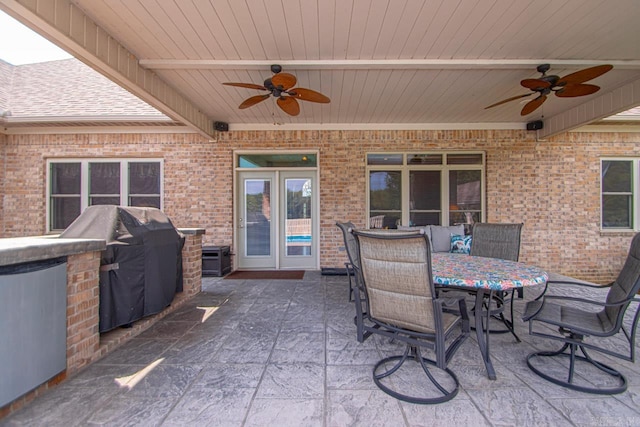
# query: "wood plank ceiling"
[[401, 62]]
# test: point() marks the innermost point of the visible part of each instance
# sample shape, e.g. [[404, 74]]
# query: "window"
[[425, 189], [75, 184], [618, 188]]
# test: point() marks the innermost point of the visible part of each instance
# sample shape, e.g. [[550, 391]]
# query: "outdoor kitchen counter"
[[77, 312], [28, 249]]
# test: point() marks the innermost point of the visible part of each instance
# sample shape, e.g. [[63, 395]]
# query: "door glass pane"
[[298, 222], [425, 193], [104, 183], [257, 217], [384, 199], [464, 197]]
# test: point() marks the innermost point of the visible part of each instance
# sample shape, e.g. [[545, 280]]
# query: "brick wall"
[[552, 186]]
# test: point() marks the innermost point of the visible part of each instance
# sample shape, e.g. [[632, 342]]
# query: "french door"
[[277, 219]]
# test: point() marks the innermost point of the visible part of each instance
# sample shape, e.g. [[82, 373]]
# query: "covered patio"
[[255, 352], [410, 79]]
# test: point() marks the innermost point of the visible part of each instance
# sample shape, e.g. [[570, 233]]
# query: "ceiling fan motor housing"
[[543, 68], [275, 68]]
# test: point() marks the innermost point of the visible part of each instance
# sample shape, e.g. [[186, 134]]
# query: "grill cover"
[[141, 268]]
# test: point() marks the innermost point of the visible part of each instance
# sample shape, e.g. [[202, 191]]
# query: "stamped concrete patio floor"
[[284, 353]]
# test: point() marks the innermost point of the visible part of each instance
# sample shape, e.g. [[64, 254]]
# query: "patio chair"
[[351, 246], [502, 241], [577, 318], [353, 268], [397, 279]]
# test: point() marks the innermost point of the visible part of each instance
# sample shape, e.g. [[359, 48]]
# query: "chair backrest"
[[350, 243], [396, 268], [493, 240], [625, 286]]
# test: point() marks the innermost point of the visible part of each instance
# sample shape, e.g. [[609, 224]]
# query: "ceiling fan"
[[571, 85], [281, 86]]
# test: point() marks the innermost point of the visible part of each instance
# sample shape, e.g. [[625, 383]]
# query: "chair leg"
[[573, 357], [412, 353]]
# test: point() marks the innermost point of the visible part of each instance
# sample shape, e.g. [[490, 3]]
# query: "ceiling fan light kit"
[[281, 86], [569, 86]]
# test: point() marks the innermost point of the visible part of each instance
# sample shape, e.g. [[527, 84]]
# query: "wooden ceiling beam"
[[354, 64]]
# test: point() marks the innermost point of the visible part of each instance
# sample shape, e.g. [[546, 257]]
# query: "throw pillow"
[[460, 244]]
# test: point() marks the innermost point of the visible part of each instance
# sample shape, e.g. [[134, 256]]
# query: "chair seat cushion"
[[567, 317]]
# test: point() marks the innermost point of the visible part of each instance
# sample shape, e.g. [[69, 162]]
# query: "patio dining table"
[[484, 276]]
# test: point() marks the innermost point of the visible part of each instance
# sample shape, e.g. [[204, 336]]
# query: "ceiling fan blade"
[[249, 102], [584, 75], [289, 105], [286, 80], [246, 85], [579, 89], [532, 105], [504, 101], [308, 95], [535, 84]]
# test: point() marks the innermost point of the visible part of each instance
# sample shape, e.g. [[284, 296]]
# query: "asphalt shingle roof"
[[66, 88]]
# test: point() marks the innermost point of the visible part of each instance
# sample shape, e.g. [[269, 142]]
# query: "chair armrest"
[[558, 279], [566, 281], [588, 301]]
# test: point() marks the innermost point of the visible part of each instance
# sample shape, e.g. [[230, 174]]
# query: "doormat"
[[266, 275]]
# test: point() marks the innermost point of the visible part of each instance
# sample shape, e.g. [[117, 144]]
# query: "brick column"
[[83, 301], [192, 261]]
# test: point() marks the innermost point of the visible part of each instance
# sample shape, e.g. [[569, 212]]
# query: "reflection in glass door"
[[298, 221], [297, 242], [255, 223]]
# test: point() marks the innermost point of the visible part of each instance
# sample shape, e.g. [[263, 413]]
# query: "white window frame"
[[84, 180], [635, 171], [444, 169]]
